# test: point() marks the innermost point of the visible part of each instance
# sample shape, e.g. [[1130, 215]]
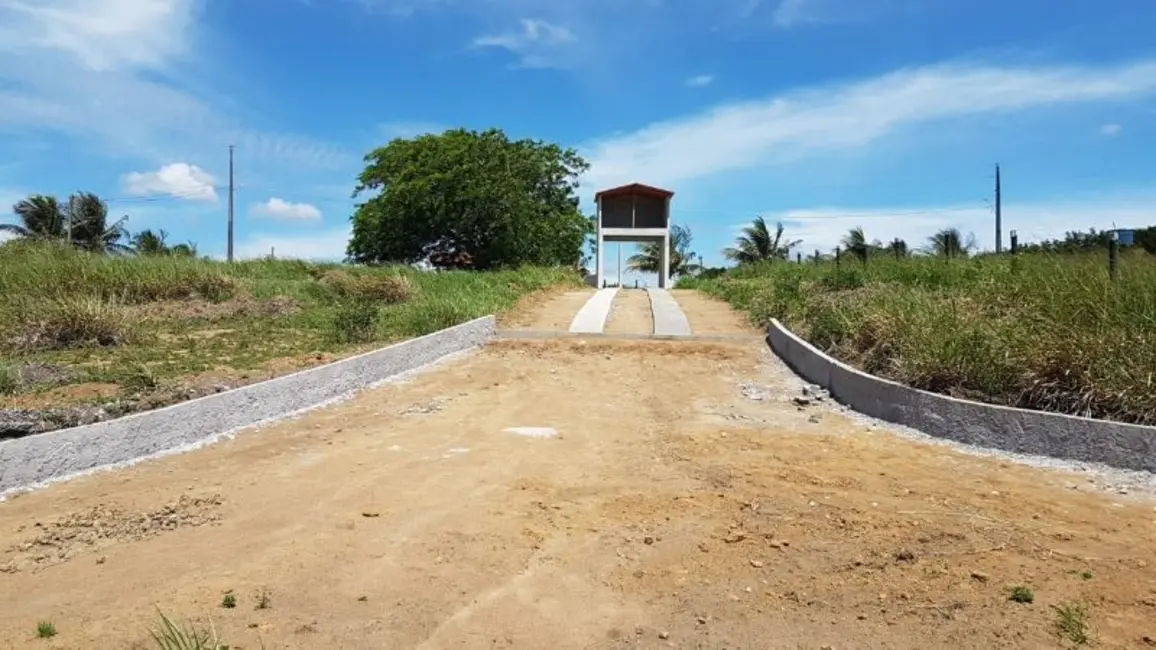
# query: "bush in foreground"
[[1046, 332]]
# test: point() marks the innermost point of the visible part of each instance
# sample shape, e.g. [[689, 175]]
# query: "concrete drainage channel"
[[1020, 431], [38, 459]]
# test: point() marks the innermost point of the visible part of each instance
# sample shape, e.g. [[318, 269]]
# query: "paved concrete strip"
[[591, 319], [668, 317], [540, 335]]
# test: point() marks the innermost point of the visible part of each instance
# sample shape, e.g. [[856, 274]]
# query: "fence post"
[[816, 256], [1113, 256], [837, 256], [799, 258], [1015, 242]]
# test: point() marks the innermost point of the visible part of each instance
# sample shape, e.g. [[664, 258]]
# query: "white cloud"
[[101, 34], [534, 43], [106, 71], [1111, 129], [180, 180], [276, 208], [823, 227], [326, 246], [775, 129], [700, 80]]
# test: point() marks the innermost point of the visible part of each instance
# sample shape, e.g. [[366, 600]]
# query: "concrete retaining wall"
[[58, 454], [1126, 446]]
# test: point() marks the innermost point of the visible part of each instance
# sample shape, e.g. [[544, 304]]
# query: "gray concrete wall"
[[58, 454], [1126, 446]]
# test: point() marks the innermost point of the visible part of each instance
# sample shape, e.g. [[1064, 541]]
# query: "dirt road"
[[685, 502]]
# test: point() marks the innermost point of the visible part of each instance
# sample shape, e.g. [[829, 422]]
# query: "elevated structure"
[[634, 213]]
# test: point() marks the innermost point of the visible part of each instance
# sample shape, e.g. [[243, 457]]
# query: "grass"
[[1021, 594], [1072, 623], [45, 630], [1045, 332], [151, 324], [229, 601], [172, 636]]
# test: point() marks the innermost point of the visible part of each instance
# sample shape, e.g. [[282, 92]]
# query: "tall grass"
[[1047, 332], [181, 315]]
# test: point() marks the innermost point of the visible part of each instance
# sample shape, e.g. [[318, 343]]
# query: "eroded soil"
[[686, 502]]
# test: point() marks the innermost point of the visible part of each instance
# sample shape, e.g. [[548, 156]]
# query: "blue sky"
[[826, 114]]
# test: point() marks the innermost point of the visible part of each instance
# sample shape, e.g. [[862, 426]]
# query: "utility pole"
[[229, 255], [998, 214]]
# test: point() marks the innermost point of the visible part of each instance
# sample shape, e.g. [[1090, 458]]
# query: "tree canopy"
[[681, 256], [83, 221], [469, 199], [757, 244]]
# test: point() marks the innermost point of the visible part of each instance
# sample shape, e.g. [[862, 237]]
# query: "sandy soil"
[[709, 316], [546, 310], [686, 502], [630, 313]]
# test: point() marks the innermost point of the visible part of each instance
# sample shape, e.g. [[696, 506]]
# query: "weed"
[[171, 636], [71, 323], [1072, 623], [138, 379], [264, 598], [1022, 594], [1087, 575], [8, 383], [355, 322], [229, 601], [45, 630]]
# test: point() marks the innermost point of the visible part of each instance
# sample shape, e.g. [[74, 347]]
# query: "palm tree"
[[40, 217], [757, 244], [649, 257], [950, 243], [855, 243], [898, 247], [188, 249], [88, 216], [148, 242]]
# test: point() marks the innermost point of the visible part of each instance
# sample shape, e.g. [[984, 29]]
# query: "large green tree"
[[757, 244], [648, 259], [469, 199]]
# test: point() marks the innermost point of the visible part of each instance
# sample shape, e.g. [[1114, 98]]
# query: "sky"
[[822, 114]]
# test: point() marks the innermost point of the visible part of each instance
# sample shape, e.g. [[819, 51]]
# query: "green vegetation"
[[470, 200], [45, 630], [1022, 595], [1072, 623], [148, 323], [1042, 331], [229, 600], [648, 259], [171, 636]]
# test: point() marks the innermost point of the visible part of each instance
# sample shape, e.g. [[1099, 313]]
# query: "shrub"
[[72, 323], [383, 288], [355, 322]]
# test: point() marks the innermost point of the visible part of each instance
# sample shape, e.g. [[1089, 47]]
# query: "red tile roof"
[[635, 188]]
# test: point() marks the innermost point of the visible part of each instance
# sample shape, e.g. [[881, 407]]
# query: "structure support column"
[[598, 268], [664, 276]]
